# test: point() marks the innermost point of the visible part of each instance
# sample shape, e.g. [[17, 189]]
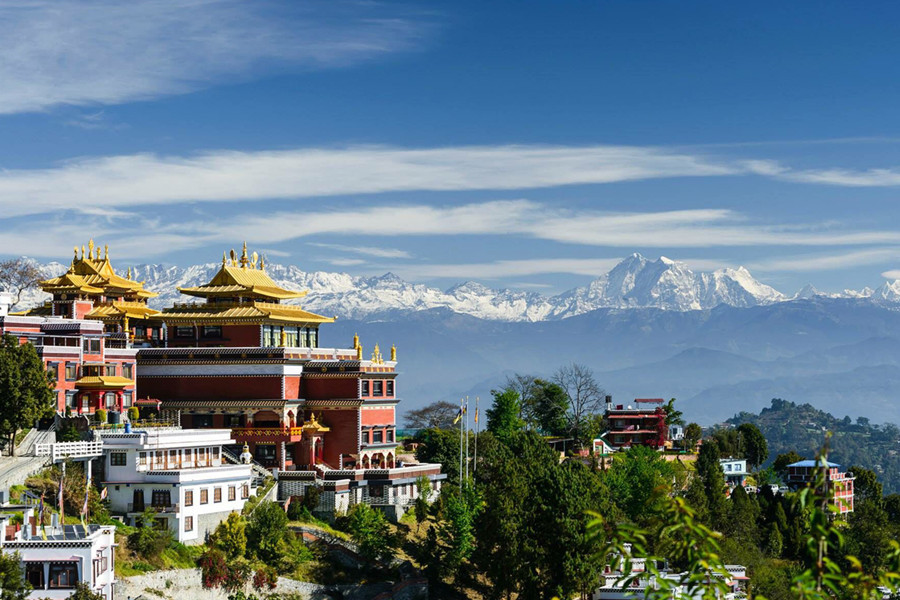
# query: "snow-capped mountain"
[[636, 282]]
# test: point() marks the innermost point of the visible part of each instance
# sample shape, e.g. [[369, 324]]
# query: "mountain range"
[[719, 341]]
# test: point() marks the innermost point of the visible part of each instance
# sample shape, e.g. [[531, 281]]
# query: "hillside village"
[[220, 435]]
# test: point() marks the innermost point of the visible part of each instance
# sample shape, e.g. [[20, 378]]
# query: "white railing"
[[60, 451]]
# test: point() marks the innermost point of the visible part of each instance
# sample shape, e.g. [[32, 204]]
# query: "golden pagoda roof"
[[103, 382], [216, 313], [91, 275], [242, 279], [118, 309]]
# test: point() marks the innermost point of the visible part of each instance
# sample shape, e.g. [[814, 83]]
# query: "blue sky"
[[520, 144]]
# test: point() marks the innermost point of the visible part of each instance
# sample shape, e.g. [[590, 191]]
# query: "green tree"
[[266, 532], [456, 531], [148, 541], [12, 581], [370, 531], [710, 472], [753, 443], [692, 434], [26, 394], [636, 477], [783, 460], [441, 446], [423, 489], [548, 406], [231, 536], [673, 415], [866, 487], [503, 415]]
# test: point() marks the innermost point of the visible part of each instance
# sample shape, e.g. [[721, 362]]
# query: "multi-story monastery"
[[241, 358]]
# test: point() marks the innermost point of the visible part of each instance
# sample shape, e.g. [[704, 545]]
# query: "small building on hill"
[[839, 485], [641, 424], [735, 470]]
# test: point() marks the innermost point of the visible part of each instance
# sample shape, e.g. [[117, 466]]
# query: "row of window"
[[206, 331], [108, 370], [217, 495], [376, 388], [294, 337], [180, 459], [109, 400], [61, 575], [378, 436]]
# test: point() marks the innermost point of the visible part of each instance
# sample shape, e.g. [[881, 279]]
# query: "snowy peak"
[[635, 282]]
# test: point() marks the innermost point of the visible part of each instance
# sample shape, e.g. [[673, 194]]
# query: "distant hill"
[[802, 428]]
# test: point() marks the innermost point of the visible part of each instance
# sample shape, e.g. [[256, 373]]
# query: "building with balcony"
[[839, 485], [641, 424], [89, 368], [59, 557], [180, 474], [735, 470]]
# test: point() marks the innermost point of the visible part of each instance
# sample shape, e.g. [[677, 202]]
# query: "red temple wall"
[[326, 388], [201, 388], [292, 387], [377, 416], [233, 336], [343, 437]]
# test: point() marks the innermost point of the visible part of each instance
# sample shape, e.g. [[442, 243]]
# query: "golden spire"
[[106, 252], [76, 255], [355, 341], [97, 254], [233, 258], [283, 338], [359, 352], [376, 356], [393, 353], [254, 258], [82, 252], [91, 248], [244, 259], [128, 274], [262, 263], [224, 257]]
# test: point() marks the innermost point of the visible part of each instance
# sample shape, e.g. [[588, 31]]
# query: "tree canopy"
[[25, 392]]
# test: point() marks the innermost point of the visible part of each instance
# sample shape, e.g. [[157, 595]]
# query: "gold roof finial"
[[254, 258], [355, 340], [224, 257], [128, 274], [82, 252], [91, 248], [359, 352], [233, 258], [106, 252], [393, 353], [376, 356], [76, 255], [262, 263], [97, 253], [244, 259]]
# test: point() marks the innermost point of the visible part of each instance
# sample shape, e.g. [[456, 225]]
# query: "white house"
[[180, 474], [62, 556], [735, 470]]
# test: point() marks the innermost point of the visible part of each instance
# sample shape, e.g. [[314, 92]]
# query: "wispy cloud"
[[88, 52], [509, 268], [827, 262], [895, 274], [365, 250], [146, 179]]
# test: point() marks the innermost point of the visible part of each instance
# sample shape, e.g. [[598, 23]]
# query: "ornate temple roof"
[[242, 279], [93, 276], [244, 312]]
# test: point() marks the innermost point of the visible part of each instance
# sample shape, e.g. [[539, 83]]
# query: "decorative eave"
[[240, 313], [91, 275], [103, 382], [226, 404]]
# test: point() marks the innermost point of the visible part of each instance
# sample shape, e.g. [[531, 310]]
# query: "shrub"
[[148, 541], [296, 508], [237, 574], [101, 415], [134, 413], [311, 497], [266, 532], [265, 577], [231, 536], [213, 568]]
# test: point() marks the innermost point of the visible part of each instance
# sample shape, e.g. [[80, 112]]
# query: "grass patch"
[[155, 592], [260, 494], [16, 491], [21, 436]]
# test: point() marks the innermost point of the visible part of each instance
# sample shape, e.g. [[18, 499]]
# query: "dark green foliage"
[[503, 415], [148, 541], [710, 473], [12, 580], [311, 497], [783, 460], [231, 536], [266, 532], [423, 488], [26, 394], [753, 444], [83, 592], [456, 529], [635, 478], [547, 407], [673, 415], [68, 434], [369, 530], [692, 434], [441, 446], [866, 487]]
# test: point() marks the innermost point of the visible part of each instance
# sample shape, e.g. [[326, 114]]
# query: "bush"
[[101, 415], [266, 532], [231, 536], [134, 413], [148, 541], [370, 531], [213, 568], [311, 497], [296, 509], [265, 577]]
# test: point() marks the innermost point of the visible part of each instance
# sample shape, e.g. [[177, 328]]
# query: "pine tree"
[[503, 415], [710, 472]]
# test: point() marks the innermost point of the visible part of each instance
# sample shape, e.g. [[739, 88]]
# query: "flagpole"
[[460, 443], [467, 437], [475, 460], [62, 515]]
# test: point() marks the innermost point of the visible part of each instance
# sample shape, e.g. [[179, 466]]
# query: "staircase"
[[259, 471]]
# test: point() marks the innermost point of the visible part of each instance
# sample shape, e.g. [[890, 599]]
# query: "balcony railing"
[[266, 432], [160, 508]]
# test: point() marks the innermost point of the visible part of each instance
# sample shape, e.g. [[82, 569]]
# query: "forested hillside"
[[802, 428]]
